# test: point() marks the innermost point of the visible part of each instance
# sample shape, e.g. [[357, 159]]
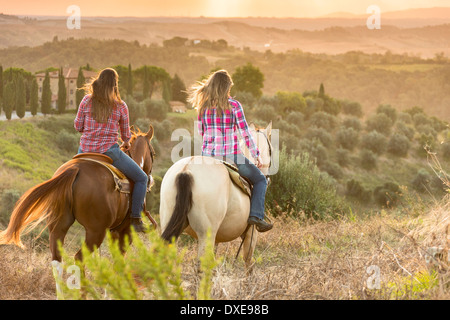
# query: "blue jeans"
[[256, 177], [133, 172]]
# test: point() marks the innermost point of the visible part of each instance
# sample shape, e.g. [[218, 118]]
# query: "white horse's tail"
[[179, 220]]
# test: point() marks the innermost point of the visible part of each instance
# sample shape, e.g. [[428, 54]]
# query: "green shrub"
[[421, 181], [56, 124], [389, 194], [368, 159], [405, 129], [295, 118], [355, 190], [290, 101], [445, 150], [404, 117], [421, 119], [374, 141], [320, 134], [352, 108], [163, 130], [315, 149], [265, 112], [8, 200], [379, 122], [333, 169], [342, 157], [156, 109], [67, 141], [427, 130], [323, 120], [388, 110], [425, 141], [352, 122], [347, 138], [299, 186], [398, 145]]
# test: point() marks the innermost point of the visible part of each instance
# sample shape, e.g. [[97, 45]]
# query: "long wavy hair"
[[213, 92], [104, 90]]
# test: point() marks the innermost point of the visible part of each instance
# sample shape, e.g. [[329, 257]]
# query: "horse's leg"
[[248, 248], [94, 239], [122, 235], [58, 231]]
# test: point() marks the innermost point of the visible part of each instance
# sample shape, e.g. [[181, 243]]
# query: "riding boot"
[[137, 224], [261, 225]]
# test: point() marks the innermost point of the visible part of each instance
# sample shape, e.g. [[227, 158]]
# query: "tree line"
[[19, 88]]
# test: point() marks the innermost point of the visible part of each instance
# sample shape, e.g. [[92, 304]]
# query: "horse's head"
[[141, 150], [262, 139]]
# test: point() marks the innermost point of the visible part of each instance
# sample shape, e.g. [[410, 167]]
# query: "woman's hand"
[[126, 146], [259, 162]]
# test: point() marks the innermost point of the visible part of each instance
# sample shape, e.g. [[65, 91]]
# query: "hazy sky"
[[210, 8]]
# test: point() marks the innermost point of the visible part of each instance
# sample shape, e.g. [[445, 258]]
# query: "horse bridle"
[[152, 156]]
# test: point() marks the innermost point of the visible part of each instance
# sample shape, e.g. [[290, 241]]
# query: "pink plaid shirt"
[[219, 132], [99, 137]]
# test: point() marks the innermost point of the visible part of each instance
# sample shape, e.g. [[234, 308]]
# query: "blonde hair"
[[104, 90], [212, 92]]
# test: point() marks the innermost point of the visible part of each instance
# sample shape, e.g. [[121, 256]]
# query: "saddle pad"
[[121, 181], [237, 179]]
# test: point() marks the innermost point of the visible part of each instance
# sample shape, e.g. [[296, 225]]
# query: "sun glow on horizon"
[[209, 8]]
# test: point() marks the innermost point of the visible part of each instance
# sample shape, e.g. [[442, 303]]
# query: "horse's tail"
[[48, 200], [179, 220]]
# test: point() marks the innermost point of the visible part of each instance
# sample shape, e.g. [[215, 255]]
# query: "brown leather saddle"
[[242, 182], [123, 185]]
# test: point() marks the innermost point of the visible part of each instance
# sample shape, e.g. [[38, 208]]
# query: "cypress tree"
[[1, 88], [130, 81], [146, 84], [34, 98], [8, 99], [46, 99], [1, 83], [178, 89], [167, 91], [20, 97], [62, 92], [321, 91], [81, 80]]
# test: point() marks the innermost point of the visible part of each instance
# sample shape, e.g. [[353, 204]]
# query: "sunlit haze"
[[209, 8]]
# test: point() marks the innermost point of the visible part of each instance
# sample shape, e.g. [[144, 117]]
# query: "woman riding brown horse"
[[85, 190], [79, 190]]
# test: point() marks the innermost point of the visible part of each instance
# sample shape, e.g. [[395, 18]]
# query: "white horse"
[[198, 195]]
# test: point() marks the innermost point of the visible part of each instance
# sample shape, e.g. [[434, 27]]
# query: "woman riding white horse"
[[197, 194]]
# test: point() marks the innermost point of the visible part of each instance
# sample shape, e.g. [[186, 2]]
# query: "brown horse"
[[84, 191]]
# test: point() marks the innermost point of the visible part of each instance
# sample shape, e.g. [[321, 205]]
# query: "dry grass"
[[296, 260], [25, 274]]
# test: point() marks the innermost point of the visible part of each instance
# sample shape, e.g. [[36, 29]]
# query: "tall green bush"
[[299, 186]]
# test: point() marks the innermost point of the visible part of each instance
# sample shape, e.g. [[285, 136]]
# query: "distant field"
[[407, 67]]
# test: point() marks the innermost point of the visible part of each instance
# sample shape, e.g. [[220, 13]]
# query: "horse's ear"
[[150, 132], [132, 128], [252, 126], [269, 129]]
